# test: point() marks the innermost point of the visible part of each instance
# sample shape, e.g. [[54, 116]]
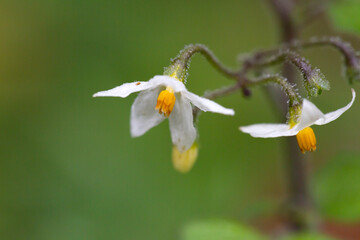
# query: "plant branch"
[[345, 48], [314, 80], [299, 198], [311, 13], [294, 97], [182, 61]]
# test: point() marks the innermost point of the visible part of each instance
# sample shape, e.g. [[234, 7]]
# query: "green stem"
[[182, 61], [289, 56], [294, 97], [314, 80]]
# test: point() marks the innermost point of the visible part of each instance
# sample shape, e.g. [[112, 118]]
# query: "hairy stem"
[[183, 60], [343, 47], [294, 98], [314, 80]]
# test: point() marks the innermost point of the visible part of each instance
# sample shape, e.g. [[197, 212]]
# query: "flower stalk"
[[314, 80], [350, 56], [181, 63], [286, 87]]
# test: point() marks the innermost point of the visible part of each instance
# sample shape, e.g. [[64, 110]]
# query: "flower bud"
[[184, 161], [315, 83]]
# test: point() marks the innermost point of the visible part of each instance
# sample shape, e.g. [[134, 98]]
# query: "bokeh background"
[[68, 166]]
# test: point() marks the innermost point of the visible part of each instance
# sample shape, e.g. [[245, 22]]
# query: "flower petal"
[[205, 104], [125, 90], [309, 115], [267, 130], [143, 113], [165, 81], [182, 128], [331, 116]]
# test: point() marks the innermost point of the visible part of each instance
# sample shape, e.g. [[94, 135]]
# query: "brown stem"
[[347, 51], [283, 10], [296, 169], [311, 13]]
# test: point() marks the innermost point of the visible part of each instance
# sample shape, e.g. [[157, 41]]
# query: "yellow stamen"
[[166, 101], [184, 161], [306, 140]]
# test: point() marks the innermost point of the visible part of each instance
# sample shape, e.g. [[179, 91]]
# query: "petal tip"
[[243, 129], [134, 134], [231, 112], [101, 94], [353, 92]]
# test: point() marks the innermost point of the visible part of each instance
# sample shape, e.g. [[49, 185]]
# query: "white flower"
[[162, 97], [310, 115]]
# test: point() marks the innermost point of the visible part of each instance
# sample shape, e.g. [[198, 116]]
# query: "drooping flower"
[[310, 115], [164, 97]]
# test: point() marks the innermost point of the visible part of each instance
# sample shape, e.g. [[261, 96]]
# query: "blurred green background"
[[68, 166]]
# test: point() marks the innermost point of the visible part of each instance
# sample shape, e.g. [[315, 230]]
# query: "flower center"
[[306, 140], [166, 101]]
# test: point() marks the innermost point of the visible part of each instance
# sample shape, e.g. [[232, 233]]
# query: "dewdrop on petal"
[[184, 161]]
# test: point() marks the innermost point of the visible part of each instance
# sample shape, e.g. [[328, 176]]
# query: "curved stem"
[[183, 59], [294, 98], [343, 47], [289, 56], [314, 80]]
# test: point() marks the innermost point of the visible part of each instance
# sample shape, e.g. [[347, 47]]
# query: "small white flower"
[[310, 115], [162, 97]]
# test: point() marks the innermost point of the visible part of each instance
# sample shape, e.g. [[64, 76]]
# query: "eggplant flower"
[[310, 115], [164, 97]]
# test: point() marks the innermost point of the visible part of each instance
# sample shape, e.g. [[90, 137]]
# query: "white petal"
[[205, 104], [143, 113], [165, 81], [267, 130], [331, 116], [309, 115], [125, 90], [182, 128]]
